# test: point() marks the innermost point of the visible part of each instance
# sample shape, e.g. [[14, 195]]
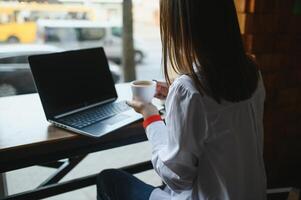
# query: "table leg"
[[3, 185]]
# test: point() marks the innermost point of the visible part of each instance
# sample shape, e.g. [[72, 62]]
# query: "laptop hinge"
[[83, 108]]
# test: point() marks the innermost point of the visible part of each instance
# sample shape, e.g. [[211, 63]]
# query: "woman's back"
[[233, 149], [227, 144]]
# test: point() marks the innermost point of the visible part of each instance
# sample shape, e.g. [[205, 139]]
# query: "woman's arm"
[[176, 145]]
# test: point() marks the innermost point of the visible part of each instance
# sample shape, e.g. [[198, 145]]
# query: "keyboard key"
[[93, 115]]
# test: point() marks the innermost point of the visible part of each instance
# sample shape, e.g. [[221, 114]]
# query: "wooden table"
[[27, 139]]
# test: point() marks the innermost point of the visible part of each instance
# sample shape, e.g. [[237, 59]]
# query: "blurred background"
[[35, 27]]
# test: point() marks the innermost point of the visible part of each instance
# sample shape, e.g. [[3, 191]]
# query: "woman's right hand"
[[161, 90]]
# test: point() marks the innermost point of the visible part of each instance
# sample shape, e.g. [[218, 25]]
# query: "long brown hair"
[[203, 37]]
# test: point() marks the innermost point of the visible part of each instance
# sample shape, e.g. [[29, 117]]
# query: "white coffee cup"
[[143, 90]]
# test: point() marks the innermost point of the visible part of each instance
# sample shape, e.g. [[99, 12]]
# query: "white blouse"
[[206, 150]]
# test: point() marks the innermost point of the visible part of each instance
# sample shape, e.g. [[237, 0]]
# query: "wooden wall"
[[271, 30]]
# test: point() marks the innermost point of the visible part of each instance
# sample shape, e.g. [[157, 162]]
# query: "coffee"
[[143, 90], [142, 83]]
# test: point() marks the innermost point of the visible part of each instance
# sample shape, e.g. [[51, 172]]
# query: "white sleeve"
[[176, 145]]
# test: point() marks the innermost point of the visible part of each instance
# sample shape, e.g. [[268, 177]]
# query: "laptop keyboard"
[[95, 114]]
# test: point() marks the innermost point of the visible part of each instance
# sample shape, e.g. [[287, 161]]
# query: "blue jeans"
[[113, 184]]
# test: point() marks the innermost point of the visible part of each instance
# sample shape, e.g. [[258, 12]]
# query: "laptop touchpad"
[[115, 119]]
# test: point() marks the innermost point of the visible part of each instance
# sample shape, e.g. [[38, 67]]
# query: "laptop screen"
[[71, 80]]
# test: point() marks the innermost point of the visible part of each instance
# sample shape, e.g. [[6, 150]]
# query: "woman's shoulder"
[[183, 95], [186, 84]]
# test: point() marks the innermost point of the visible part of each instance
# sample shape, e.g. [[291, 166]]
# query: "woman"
[[211, 146]]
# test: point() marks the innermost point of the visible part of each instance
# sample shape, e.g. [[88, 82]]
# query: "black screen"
[[72, 79]]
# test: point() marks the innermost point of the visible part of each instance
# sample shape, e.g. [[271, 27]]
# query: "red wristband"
[[151, 119]]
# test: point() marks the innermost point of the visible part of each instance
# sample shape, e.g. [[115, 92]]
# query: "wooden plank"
[[258, 23], [261, 6], [277, 61], [241, 5], [270, 6], [260, 43]]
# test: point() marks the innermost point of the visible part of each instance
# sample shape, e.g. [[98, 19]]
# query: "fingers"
[[160, 83], [161, 87], [136, 105], [161, 91], [146, 109], [133, 103]]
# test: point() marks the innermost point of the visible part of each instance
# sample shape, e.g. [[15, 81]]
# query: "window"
[[91, 34], [28, 28], [117, 31], [55, 34]]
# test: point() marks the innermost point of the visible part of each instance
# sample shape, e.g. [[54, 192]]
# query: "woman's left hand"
[[146, 109]]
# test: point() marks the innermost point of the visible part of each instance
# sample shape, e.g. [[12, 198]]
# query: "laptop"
[[78, 93]]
